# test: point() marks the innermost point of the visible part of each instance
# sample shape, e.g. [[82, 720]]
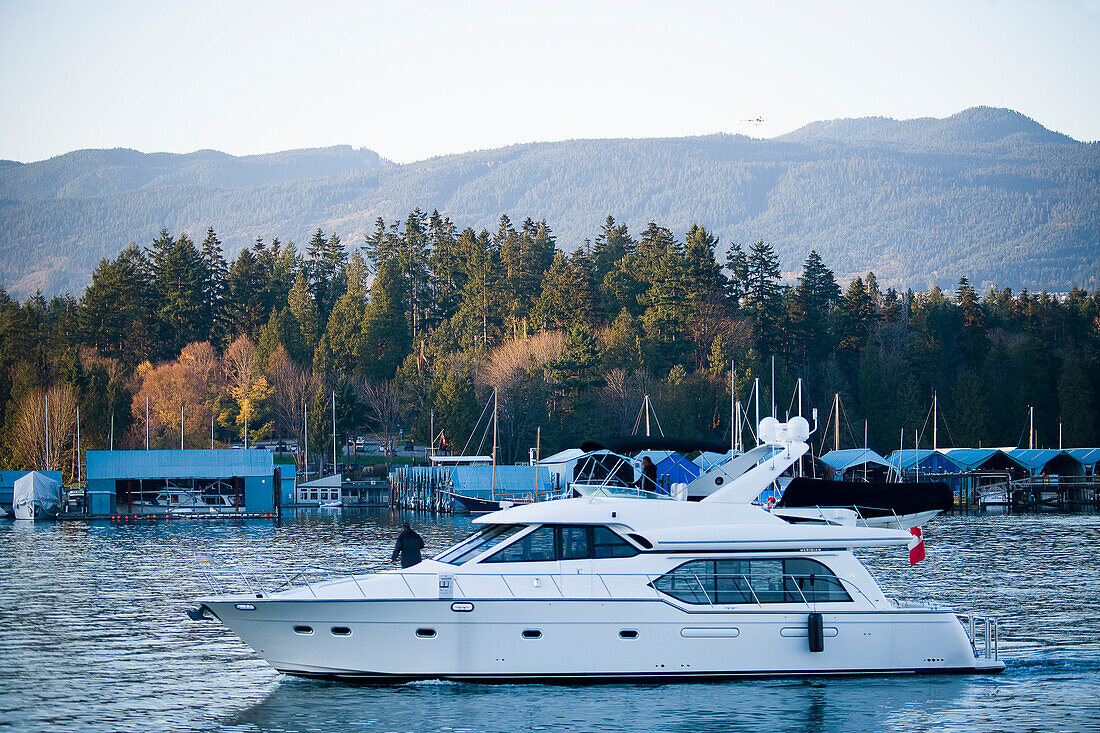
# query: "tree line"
[[413, 329]]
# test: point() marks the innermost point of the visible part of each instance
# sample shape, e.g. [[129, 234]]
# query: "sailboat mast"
[[645, 406], [47, 416], [493, 487], [78, 475], [773, 385], [333, 432], [735, 422], [756, 390], [1031, 427], [836, 422], [538, 447], [935, 420]]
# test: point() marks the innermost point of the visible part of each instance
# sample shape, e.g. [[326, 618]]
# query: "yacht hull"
[[583, 641]]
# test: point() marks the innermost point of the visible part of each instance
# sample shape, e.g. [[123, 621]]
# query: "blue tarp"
[[678, 469]]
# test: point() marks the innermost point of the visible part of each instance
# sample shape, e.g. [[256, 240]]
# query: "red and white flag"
[[916, 546]]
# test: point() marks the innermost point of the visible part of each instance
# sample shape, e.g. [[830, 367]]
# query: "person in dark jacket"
[[648, 480], [408, 547]]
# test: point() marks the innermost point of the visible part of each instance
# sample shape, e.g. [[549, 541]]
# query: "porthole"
[[245, 607], [303, 629], [628, 634], [718, 480], [425, 633], [532, 634], [340, 631]]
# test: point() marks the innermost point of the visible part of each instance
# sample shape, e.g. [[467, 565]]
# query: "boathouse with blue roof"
[[854, 464], [1089, 458], [924, 461], [986, 461], [152, 481], [1048, 462]]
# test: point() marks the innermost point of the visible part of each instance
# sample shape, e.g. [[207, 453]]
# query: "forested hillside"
[[986, 193], [418, 325]]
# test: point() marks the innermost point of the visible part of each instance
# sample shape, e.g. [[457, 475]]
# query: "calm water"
[[93, 637]]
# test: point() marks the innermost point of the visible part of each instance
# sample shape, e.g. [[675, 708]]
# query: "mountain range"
[[986, 193]]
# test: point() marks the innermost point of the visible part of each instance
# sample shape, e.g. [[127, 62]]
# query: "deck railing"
[[265, 581], [983, 629]]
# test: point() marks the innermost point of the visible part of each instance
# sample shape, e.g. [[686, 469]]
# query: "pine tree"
[[386, 337], [811, 308], [763, 297], [216, 272]]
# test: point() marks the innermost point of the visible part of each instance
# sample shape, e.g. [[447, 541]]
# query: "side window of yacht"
[[538, 546], [574, 543], [608, 544], [755, 581], [731, 579], [808, 579], [479, 543], [766, 581], [692, 582]]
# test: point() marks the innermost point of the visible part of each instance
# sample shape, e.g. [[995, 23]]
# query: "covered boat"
[[36, 496]]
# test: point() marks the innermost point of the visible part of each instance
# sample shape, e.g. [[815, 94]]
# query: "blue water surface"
[[93, 637]]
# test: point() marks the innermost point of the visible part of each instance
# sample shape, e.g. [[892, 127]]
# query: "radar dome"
[[767, 429], [798, 428]]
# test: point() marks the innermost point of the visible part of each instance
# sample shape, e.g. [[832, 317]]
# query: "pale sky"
[[412, 79]]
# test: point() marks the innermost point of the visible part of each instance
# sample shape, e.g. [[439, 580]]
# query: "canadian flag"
[[916, 546]]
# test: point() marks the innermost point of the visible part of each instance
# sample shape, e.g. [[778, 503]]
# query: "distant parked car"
[[409, 446]]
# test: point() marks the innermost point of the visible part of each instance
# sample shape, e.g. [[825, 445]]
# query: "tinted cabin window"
[[574, 543], [538, 546], [564, 542], [760, 580], [479, 543], [608, 544]]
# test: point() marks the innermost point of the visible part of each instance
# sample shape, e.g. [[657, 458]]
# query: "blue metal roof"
[[1036, 459], [842, 460], [969, 459], [926, 458], [174, 464], [1086, 456]]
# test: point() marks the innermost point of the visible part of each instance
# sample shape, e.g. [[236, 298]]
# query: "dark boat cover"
[[871, 499]]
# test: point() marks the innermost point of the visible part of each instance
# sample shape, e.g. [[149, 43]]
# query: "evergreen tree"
[[302, 306], [811, 307], [1075, 398], [386, 337], [216, 272], [763, 297], [245, 306]]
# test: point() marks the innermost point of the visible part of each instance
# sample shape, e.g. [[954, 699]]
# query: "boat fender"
[[816, 632]]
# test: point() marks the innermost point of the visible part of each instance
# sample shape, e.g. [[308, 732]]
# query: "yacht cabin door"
[[575, 565]]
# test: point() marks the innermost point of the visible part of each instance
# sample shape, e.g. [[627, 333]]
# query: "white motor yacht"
[[611, 588]]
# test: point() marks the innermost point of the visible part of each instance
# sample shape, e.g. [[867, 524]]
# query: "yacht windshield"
[[478, 543]]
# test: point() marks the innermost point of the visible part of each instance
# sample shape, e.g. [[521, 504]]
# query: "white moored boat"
[[611, 587]]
